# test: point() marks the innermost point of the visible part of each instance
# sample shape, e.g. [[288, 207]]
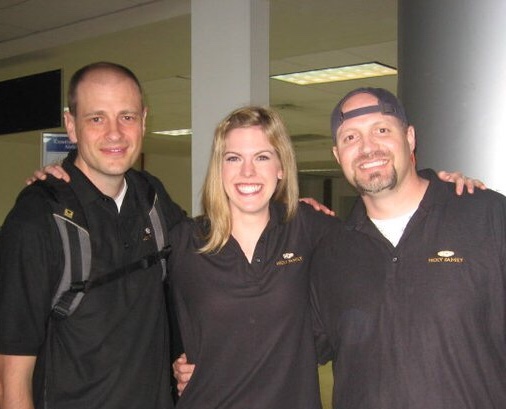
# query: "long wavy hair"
[[215, 203]]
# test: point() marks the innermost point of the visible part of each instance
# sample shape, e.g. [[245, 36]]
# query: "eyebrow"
[[255, 153], [102, 112], [94, 113]]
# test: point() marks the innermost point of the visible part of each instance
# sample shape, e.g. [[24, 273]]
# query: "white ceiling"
[[153, 38]]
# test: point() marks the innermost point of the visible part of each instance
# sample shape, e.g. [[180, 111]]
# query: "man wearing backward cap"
[[410, 301]]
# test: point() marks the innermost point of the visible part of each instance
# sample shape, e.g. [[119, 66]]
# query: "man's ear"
[[336, 154], [411, 137], [144, 116], [70, 125]]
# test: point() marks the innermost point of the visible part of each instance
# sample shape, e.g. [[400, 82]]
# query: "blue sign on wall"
[[55, 147]]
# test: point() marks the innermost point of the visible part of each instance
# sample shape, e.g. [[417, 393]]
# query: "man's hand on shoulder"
[[461, 181]]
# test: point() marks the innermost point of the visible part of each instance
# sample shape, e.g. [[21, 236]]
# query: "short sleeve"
[[30, 267]]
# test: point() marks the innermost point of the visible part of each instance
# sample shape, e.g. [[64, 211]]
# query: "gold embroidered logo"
[[289, 258], [445, 256]]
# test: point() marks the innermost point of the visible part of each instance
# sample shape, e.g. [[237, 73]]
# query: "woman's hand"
[[183, 371]]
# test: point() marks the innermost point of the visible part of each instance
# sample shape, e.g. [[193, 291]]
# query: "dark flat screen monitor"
[[31, 103]]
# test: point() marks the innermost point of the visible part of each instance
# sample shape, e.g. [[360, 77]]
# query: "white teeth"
[[113, 150], [372, 164], [248, 189]]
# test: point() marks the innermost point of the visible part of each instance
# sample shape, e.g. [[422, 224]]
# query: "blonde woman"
[[239, 273]]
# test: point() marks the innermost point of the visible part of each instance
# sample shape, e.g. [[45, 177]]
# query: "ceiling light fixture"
[[345, 73], [174, 132]]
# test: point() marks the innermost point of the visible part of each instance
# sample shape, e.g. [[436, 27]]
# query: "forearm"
[[16, 382], [16, 400]]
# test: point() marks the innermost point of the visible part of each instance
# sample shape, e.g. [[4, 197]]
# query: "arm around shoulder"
[[16, 373]]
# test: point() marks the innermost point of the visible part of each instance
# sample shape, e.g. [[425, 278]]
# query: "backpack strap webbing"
[[142, 264]]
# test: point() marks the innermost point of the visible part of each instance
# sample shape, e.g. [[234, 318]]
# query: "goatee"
[[376, 183]]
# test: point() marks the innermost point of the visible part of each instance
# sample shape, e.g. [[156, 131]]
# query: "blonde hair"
[[215, 203]]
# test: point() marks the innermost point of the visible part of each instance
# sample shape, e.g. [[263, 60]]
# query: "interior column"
[[230, 68], [452, 65]]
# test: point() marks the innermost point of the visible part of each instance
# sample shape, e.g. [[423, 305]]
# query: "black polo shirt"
[[420, 325], [113, 352], [247, 326]]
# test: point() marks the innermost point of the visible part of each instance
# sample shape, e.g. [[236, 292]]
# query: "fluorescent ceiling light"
[[346, 73], [174, 132]]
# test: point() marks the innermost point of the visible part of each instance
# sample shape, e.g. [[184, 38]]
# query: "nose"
[[368, 144], [247, 168], [114, 131]]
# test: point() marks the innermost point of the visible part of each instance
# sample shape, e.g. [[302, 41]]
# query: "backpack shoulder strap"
[[156, 217], [71, 223]]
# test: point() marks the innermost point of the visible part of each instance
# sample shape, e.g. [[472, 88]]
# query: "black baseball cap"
[[388, 104]]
